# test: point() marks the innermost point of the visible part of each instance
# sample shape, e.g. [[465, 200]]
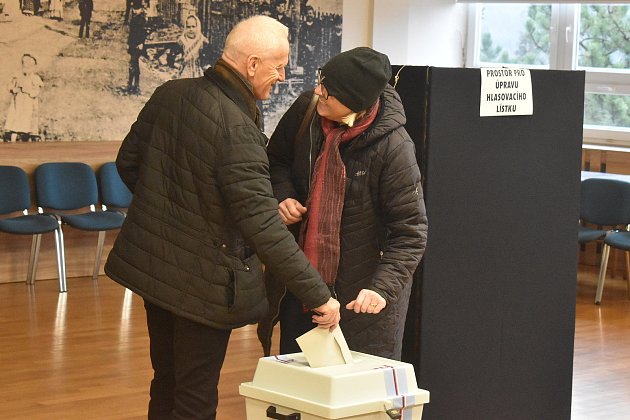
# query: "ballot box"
[[368, 388]]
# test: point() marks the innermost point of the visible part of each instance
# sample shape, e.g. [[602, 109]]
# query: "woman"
[[192, 42], [349, 189]]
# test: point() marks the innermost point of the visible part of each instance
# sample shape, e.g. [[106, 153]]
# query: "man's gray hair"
[[255, 35]]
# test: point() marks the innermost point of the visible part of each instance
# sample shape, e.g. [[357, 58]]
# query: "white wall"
[[391, 29], [413, 32], [357, 24]]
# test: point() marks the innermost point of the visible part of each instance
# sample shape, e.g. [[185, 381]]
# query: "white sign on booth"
[[505, 91]]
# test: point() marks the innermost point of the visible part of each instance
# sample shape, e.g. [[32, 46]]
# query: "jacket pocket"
[[247, 286]]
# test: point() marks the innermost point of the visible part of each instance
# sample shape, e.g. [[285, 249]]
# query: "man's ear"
[[253, 61]]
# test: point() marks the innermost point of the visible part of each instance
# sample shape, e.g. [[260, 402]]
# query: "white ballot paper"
[[321, 347]]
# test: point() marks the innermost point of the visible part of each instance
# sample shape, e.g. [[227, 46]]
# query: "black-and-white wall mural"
[[81, 70]]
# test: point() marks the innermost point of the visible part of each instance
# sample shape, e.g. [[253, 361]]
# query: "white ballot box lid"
[[369, 384]]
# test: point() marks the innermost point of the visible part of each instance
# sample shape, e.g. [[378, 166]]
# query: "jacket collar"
[[236, 88]]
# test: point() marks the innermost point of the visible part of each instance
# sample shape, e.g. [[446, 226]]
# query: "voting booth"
[[491, 319], [368, 388]]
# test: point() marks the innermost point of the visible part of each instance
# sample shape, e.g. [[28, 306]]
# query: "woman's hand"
[[367, 301]]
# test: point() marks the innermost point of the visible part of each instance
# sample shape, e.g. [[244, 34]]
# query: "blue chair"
[[604, 207], [15, 196], [604, 202], [114, 193], [617, 239], [69, 190]]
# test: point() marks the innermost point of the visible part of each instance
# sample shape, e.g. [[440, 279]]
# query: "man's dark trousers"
[[186, 357]]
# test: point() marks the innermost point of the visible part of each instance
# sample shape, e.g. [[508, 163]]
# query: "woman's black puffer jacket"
[[383, 224]]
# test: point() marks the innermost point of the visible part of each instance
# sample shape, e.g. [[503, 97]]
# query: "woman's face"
[[329, 107], [191, 27]]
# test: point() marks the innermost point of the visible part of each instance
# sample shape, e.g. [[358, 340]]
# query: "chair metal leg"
[[602, 274], [34, 257], [99, 254], [628, 271], [61, 260]]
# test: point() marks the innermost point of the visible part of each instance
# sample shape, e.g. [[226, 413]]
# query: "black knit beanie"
[[357, 77]]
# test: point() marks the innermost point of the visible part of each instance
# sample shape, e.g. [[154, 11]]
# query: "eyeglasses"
[[322, 88]]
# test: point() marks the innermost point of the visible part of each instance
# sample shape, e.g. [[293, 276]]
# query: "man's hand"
[[291, 211], [327, 315], [368, 301]]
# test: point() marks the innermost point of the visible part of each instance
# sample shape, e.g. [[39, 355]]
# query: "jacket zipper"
[[310, 151]]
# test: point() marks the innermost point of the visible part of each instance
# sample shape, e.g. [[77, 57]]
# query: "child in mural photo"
[[23, 115], [55, 9], [192, 42], [135, 43]]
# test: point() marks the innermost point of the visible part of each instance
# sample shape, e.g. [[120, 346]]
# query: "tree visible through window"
[[604, 43], [604, 40], [529, 40]]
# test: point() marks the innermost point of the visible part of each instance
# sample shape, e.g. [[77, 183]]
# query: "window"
[[589, 37], [514, 34]]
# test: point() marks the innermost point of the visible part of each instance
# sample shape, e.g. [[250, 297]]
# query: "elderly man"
[[202, 215]]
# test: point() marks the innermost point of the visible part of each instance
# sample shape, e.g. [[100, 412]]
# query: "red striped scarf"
[[319, 234]]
